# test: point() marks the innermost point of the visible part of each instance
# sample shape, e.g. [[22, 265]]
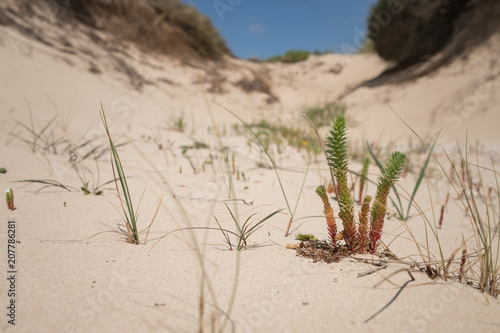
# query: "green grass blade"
[[400, 213], [421, 175], [234, 219], [244, 234], [226, 236], [246, 224], [372, 153], [48, 183], [131, 218], [259, 224], [496, 233]]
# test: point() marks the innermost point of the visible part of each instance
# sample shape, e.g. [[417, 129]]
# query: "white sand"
[[68, 282]]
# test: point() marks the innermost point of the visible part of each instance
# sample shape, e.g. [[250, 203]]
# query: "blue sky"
[[263, 28]]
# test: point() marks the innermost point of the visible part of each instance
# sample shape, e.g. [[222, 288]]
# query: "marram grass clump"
[[124, 196], [128, 208], [364, 235]]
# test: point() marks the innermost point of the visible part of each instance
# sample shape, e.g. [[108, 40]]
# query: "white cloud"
[[257, 29]]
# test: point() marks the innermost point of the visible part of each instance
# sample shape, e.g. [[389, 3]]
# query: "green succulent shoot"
[[330, 220], [390, 175], [337, 157], [363, 231]]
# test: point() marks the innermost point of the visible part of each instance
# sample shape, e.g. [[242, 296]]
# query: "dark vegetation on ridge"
[[165, 26], [168, 27], [410, 32]]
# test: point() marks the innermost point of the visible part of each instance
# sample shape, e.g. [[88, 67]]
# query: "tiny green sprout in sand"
[[9, 195], [302, 237]]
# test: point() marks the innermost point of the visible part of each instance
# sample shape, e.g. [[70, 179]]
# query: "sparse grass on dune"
[[475, 262], [280, 135], [47, 138], [237, 237], [168, 27], [89, 182], [44, 139], [293, 56], [321, 114], [479, 264], [177, 122], [483, 211], [40, 137], [242, 233], [265, 148], [298, 136], [478, 267], [193, 279]]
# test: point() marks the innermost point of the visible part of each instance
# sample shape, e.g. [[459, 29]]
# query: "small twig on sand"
[[381, 265]]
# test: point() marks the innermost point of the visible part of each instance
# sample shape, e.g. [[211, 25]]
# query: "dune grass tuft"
[[320, 114], [130, 216], [480, 266], [243, 231], [483, 213]]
